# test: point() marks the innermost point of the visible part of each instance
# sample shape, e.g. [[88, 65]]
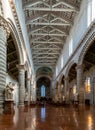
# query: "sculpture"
[[9, 91]]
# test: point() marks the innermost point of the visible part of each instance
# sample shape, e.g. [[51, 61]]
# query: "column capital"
[[29, 78], [66, 78], [80, 66], [21, 66], [28, 75]]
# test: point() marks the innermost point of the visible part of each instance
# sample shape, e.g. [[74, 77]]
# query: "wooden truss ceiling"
[[12, 58], [48, 23]]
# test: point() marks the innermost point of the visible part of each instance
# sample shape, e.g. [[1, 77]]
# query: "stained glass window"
[[42, 91]]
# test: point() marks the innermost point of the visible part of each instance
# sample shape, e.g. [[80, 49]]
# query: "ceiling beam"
[[51, 9], [39, 57], [12, 69], [31, 3], [46, 48], [64, 17], [49, 34], [57, 39], [42, 53], [11, 53], [9, 40], [37, 29], [53, 28], [87, 62], [63, 2], [57, 15], [46, 64], [43, 57], [12, 62], [91, 53], [44, 61], [15, 73], [46, 42], [48, 23]]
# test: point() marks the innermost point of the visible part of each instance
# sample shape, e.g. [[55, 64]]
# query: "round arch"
[[85, 48], [56, 85], [46, 82], [17, 40], [60, 79], [38, 77], [69, 67]]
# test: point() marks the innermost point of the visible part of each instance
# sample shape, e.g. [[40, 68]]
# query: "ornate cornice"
[[15, 15]]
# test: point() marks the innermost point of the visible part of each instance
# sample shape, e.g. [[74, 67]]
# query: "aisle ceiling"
[[48, 23]]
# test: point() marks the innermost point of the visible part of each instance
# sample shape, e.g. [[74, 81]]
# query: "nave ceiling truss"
[[48, 23]]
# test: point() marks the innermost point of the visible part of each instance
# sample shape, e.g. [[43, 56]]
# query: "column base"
[[26, 103], [1, 110], [21, 104], [32, 103]]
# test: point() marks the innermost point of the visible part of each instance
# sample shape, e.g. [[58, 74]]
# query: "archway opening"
[[72, 90], [62, 89], [12, 58], [88, 74], [43, 89], [12, 71]]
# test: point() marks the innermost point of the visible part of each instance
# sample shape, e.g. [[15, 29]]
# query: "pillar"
[[21, 69], [28, 88], [30, 92], [2, 67], [67, 90], [80, 87]]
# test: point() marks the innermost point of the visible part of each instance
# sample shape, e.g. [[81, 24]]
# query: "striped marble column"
[[21, 84], [80, 87], [2, 67]]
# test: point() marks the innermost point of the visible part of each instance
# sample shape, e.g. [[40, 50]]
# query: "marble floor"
[[49, 118]]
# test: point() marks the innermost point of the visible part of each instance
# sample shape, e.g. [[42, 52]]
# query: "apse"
[[43, 87]]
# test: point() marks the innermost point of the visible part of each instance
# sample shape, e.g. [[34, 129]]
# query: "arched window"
[[42, 91]]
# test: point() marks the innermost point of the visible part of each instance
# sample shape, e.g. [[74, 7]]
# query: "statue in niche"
[[9, 91]]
